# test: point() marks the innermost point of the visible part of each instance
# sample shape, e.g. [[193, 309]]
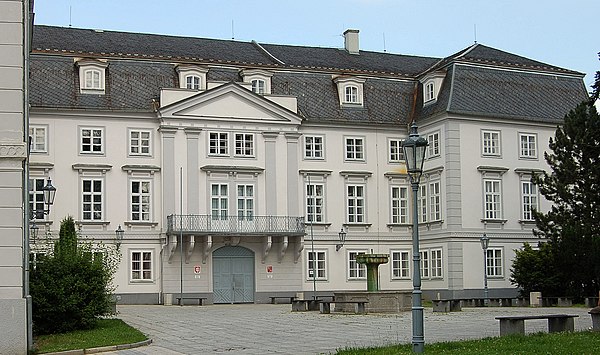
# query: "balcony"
[[235, 225]]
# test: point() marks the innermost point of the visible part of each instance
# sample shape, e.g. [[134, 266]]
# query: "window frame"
[[140, 141], [36, 197], [33, 130], [357, 151], [142, 269], [196, 81], [258, 86], [493, 213], [248, 212], [141, 203], [222, 201], [215, 146], [429, 91], [92, 201], [399, 213], [531, 195], [395, 151], [91, 143], [488, 149], [531, 147], [491, 263], [433, 145], [311, 148], [321, 272], [425, 264], [422, 203], [355, 271], [434, 199], [436, 261], [356, 203], [401, 265], [241, 145], [313, 196], [351, 94]]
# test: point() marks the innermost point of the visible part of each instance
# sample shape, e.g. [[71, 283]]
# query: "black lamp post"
[[49, 192], [414, 154], [485, 242], [342, 236]]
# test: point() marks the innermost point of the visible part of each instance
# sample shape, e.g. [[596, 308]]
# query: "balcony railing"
[[235, 225]]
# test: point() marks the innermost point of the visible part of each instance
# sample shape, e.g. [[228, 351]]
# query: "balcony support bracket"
[[190, 249], [207, 248], [267, 249], [299, 248], [283, 248]]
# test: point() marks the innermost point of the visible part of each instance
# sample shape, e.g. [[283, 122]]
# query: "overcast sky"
[[562, 33]]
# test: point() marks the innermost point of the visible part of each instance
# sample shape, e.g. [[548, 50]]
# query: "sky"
[[557, 32]]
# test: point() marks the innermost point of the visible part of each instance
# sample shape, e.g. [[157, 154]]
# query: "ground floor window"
[[141, 265]]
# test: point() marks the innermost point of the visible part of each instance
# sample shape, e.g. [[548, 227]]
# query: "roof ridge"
[[267, 52]]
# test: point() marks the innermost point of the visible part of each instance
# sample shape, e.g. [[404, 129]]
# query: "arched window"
[[258, 86], [429, 91], [92, 79], [351, 94], [192, 82]]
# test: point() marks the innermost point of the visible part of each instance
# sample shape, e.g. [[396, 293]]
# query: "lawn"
[[540, 343], [108, 332]]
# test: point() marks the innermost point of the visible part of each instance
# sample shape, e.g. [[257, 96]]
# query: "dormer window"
[[432, 84], [192, 82], [259, 80], [192, 77], [92, 76], [350, 90], [258, 86]]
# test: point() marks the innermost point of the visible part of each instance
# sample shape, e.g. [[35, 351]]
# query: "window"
[[140, 200], [435, 210], [219, 196], [493, 262], [245, 202], [92, 140], [354, 148], [192, 82], [422, 203], [92, 76], [396, 152], [316, 265], [38, 136], [399, 205], [218, 143], [92, 79], [492, 199], [313, 147], [429, 91], [141, 266], [36, 198], [258, 86], [400, 265], [436, 264], [356, 270], [424, 263], [351, 94], [356, 203], [528, 147], [433, 149], [139, 142], [529, 200], [315, 201], [490, 143], [244, 144], [92, 200]]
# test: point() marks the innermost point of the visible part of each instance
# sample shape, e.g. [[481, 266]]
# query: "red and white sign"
[[197, 269], [269, 269]]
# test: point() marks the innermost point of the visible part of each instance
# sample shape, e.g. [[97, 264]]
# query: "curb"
[[103, 349]]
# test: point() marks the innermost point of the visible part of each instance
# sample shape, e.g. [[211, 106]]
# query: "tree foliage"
[[71, 288], [595, 94], [534, 270], [571, 226]]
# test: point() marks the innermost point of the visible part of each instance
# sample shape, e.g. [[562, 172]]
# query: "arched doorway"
[[233, 275]]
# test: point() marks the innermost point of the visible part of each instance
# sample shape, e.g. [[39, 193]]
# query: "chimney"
[[351, 41]]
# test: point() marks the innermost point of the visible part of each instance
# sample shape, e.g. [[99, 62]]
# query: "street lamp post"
[[414, 154], [485, 242]]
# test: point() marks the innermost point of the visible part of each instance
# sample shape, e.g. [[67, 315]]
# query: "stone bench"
[[305, 305], [447, 305], [556, 323], [291, 298], [359, 309], [180, 300], [556, 301]]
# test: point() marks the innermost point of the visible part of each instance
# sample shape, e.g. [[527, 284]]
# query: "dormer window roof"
[[432, 83], [192, 77], [92, 75], [259, 79], [350, 90]]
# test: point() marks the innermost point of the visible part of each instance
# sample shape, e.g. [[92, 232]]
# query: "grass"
[[540, 343], [108, 332]]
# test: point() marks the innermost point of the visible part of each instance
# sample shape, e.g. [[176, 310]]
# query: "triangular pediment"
[[229, 102]]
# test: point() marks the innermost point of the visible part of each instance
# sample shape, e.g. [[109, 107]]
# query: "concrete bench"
[[273, 298], [305, 305], [359, 309], [556, 301], [556, 323], [591, 302], [447, 305], [180, 300]]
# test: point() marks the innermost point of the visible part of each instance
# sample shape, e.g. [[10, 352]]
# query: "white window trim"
[[88, 65], [534, 156], [400, 268], [150, 202], [323, 202], [344, 82], [532, 196], [395, 154], [499, 212], [102, 202], [360, 268], [243, 148], [403, 218], [188, 70], [434, 207], [309, 277], [499, 146], [130, 138], [222, 212], [433, 268], [218, 146], [152, 265], [249, 75], [494, 266], [102, 140], [425, 269], [312, 150], [362, 198], [362, 145], [248, 213], [433, 148], [430, 91], [33, 129]]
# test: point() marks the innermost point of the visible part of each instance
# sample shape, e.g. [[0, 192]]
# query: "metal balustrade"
[[235, 225]]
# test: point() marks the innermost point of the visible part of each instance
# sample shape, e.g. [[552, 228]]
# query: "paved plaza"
[[274, 329]]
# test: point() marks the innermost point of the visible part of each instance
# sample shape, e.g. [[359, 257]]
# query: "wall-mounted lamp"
[[119, 235], [342, 236]]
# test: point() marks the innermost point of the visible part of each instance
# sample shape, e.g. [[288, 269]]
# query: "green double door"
[[233, 275]]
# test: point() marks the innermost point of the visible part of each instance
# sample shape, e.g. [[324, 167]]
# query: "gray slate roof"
[[306, 73]]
